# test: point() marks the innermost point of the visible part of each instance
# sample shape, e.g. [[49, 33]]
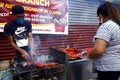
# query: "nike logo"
[[20, 31]]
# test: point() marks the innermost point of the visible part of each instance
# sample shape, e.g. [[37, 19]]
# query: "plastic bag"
[[90, 66]]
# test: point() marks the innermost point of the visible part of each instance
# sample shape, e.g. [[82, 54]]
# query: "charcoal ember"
[[39, 65]]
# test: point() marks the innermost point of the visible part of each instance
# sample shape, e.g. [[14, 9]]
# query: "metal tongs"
[[84, 54]]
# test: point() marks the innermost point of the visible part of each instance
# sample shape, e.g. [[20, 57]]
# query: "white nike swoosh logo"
[[19, 31]]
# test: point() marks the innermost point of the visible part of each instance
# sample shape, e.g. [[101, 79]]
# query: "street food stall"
[[51, 29], [54, 66]]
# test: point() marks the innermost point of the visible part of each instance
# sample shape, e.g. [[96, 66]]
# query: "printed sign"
[[46, 16]]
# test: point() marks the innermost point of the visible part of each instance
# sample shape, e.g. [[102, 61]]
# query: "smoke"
[[37, 42]]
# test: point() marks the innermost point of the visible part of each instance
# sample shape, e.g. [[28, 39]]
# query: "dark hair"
[[17, 9], [108, 10]]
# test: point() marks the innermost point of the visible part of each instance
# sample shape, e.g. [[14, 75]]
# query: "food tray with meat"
[[73, 53]]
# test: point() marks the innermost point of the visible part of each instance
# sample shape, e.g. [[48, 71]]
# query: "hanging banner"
[[46, 16]]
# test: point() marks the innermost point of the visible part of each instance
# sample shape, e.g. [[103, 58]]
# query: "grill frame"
[[58, 71], [62, 59], [75, 69], [39, 73]]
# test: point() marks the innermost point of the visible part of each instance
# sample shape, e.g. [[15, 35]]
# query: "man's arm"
[[31, 42], [30, 39], [23, 52]]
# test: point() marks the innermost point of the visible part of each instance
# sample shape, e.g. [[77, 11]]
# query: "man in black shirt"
[[19, 34]]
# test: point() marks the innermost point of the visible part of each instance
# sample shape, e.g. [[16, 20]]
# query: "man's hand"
[[33, 54], [24, 54]]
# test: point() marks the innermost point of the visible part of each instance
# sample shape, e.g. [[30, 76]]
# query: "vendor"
[[19, 34]]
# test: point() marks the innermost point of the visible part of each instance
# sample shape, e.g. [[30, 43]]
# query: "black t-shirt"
[[19, 32]]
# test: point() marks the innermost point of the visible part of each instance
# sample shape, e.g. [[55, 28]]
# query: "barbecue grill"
[[75, 69], [65, 69], [49, 70]]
